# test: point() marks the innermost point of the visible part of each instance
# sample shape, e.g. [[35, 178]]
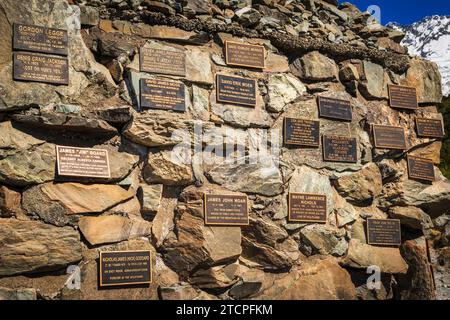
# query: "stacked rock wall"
[[163, 162]]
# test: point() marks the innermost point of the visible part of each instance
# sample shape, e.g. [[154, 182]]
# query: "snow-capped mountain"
[[430, 39]]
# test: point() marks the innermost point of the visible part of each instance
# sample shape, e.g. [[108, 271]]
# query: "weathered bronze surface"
[[389, 137], [228, 210], [384, 232], [307, 208], [82, 162], [421, 168], [301, 132], [162, 94], [162, 61], [245, 55], [335, 108], [40, 39], [432, 128], [37, 67], [340, 149], [403, 97], [236, 90]]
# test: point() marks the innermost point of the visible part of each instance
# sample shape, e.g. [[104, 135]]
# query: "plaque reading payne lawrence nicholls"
[[41, 68], [82, 162], [403, 97], [40, 39], [335, 108], [307, 208], [384, 232], [301, 132], [420, 168], [236, 90], [389, 137], [340, 149], [118, 268], [245, 55], [432, 128], [163, 61], [226, 210], [162, 94]]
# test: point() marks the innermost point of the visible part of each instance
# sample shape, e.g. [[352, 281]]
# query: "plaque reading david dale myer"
[[162, 94], [119, 268], [245, 55], [229, 210], [301, 132], [389, 137], [40, 39], [403, 97], [307, 208], [420, 168], [236, 90], [37, 67], [339, 149], [335, 109], [430, 128], [384, 232], [82, 162], [163, 61]]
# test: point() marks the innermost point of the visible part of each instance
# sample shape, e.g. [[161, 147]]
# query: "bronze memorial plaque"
[[420, 168], [229, 210], [162, 94], [245, 55], [384, 232], [82, 162], [389, 137], [236, 90], [403, 97], [40, 68], [340, 149], [301, 132], [163, 61], [119, 268], [40, 39], [431, 128], [335, 108], [307, 208]]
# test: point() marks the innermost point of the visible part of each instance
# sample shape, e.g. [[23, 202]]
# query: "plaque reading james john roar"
[[335, 109], [307, 208], [236, 90], [420, 168], [226, 210], [403, 97], [40, 68], [82, 162], [389, 137], [301, 132], [119, 268], [384, 232], [163, 61], [162, 94], [245, 55], [431, 128], [339, 149], [40, 39]]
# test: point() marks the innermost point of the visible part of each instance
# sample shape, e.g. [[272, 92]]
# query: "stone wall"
[[153, 203]]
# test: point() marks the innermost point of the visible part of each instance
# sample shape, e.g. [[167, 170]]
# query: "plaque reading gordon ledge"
[[162, 94], [163, 61], [335, 108], [389, 137], [403, 97], [384, 232], [301, 132], [41, 68], [226, 210], [432, 128], [236, 90], [420, 168], [245, 55], [307, 208], [40, 39], [119, 268], [339, 149], [82, 162]]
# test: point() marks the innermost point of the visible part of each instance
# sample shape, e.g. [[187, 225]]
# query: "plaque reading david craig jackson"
[[403, 97], [335, 109], [40, 39], [245, 55], [420, 168], [339, 149], [162, 94], [82, 162], [119, 268], [236, 90], [40, 68], [430, 128], [163, 61], [389, 137], [307, 208], [384, 232], [226, 210], [301, 132]]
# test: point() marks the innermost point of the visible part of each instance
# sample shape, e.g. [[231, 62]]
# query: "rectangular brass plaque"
[[245, 55], [432, 128], [236, 90], [120, 268], [229, 210], [340, 149], [335, 109], [163, 61], [301, 132], [307, 208], [389, 137], [420, 168], [40, 39], [403, 97], [40, 68], [384, 232], [82, 162], [162, 94]]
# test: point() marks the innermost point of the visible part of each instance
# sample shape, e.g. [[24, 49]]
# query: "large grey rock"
[[314, 66], [323, 240], [283, 89], [376, 80], [426, 78]]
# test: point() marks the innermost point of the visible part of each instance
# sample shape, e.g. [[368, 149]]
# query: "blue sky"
[[405, 11]]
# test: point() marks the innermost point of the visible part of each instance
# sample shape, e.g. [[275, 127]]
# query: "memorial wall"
[[213, 149]]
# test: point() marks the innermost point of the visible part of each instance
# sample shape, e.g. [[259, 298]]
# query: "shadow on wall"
[[444, 108]]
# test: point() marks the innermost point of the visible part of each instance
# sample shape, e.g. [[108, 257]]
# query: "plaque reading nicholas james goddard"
[[40, 39], [37, 67], [82, 162], [163, 61], [226, 210]]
